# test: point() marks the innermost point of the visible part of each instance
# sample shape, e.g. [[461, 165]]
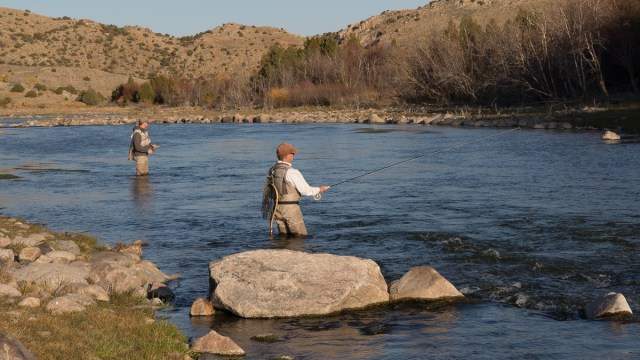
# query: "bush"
[[90, 97], [17, 88], [146, 94], [68, 88], [4, 102], [31, 94], [40, 87]]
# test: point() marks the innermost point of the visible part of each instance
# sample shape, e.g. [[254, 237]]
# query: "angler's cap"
[[140, 122], [285, 149]]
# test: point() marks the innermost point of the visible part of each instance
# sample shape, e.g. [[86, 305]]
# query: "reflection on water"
[[290, 243], [142, 194]]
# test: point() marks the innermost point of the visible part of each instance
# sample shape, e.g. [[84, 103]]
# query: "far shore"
[[622, 118]]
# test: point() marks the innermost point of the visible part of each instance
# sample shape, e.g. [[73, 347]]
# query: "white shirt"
[[294, 177]]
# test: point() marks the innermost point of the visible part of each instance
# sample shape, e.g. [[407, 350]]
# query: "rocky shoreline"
[[555, 121], [68, 273]]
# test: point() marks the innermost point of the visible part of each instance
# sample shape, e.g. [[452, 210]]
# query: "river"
[[530, 225]]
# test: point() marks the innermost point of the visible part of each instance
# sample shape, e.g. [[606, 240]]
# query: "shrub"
[[17, 88], [90, 97], [4, 102], [40, 87], [31, 94], [68, 88], [146, 94], [278, 96]]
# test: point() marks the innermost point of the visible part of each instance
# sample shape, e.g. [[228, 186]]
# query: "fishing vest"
[[287, 193], [144, 139]]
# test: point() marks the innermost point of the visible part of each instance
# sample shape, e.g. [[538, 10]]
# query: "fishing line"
[[423, 155]]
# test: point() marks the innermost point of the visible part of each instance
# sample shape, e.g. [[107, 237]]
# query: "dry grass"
[[117, 330], [124, 328]]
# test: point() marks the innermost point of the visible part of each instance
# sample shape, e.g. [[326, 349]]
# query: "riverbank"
[[621, 118], [75, 320]]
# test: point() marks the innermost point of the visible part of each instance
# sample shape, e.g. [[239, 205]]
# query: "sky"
[[189, 17]]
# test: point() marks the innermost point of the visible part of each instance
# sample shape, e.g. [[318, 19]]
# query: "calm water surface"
[[529, 225]]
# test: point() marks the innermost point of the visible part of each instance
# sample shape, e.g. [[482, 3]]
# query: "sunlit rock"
[[608, 305], [214, 343], [610, 135], [201, 307], [424, 283], [285, 283]]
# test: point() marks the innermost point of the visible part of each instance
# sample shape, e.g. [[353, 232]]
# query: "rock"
[[610, 135], [375, 119], [64, 305], [51, 276], [150, 273], [424, 283], [6, 255], [285, 283], [31, 302], [123, 259], [201, 307], [160, 291], [215, 343], [13, 350], [609, 304], [32, 240], [10, 291], [4, 242], [68, 246], [61, 257], [30, 254]]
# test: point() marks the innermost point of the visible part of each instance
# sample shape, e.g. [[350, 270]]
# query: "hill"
[[403, 26], [40, 52]]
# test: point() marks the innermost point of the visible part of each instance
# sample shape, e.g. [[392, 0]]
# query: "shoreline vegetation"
[[98, 332]]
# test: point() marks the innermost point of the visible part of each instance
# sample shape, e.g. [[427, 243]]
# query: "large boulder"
[[422, 283], [285, 283], [51, 276]]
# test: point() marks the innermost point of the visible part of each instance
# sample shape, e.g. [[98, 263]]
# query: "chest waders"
[[276, 192]]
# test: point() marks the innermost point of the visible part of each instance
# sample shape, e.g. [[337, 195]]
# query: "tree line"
[[582, 51]]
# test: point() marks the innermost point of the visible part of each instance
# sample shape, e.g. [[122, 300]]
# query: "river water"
[[530, 225]]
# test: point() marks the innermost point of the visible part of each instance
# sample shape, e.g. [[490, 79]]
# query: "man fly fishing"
[[283, 189]]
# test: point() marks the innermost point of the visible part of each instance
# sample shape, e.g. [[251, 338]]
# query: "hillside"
[[403, 26], [36, 50], [84, 54]]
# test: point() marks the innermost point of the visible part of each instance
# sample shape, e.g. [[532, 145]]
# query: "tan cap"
[[285, 149]]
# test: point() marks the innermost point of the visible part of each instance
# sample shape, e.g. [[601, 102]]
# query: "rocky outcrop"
[[54, 273], [285, 283], [610, 304], [422, 283]]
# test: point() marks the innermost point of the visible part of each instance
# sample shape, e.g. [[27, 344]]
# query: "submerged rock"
[[285, 283]]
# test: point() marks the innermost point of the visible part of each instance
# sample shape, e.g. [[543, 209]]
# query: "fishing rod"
[[423, 155]]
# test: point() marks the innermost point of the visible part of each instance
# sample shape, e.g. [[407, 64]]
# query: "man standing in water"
[[285, 185], [141, 147]]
